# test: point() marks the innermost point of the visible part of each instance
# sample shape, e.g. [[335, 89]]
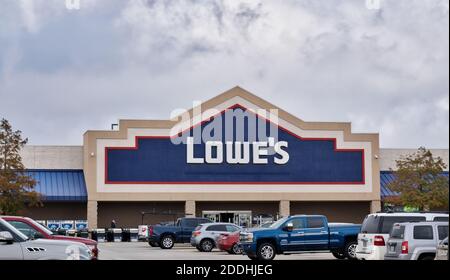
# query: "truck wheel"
[[199, 248], [266, 252], [338, 255], [350, 250], [153, 244], [167, 242], [207, 245]]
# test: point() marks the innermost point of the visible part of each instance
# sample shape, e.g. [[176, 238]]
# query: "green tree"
[[16, 188], [419, 182]]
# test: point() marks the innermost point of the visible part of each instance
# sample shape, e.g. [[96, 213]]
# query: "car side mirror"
[[289, 227], [6, 237]]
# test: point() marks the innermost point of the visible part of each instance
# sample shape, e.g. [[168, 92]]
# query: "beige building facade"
[[121, 182], [274, 199]]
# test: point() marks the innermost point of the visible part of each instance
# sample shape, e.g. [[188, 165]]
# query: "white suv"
[[376, 228]]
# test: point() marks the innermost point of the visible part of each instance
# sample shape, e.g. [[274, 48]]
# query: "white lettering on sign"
[[239, 152], [240, 156]]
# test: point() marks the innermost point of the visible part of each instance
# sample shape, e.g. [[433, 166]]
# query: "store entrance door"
[[213, 217], [227, 217], [240, 218]]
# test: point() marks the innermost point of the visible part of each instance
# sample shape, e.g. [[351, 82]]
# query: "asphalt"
[[142, 251]]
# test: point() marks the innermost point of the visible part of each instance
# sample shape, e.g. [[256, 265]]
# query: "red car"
[[30, 227], [229, 242]]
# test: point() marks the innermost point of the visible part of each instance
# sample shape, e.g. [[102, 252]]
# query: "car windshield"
[[266, 225], [41, 227], [278, 223]]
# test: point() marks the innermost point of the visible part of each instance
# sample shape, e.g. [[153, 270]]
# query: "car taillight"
[[94, 251], [378, 240], [195, 233], [405, 247]]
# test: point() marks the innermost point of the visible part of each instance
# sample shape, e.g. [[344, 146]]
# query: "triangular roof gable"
[[237, 91]]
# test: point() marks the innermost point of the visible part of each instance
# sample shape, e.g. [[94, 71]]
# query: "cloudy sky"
[[63, 71]]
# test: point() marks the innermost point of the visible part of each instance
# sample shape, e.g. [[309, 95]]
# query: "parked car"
[[415, 241], [301, 233], [229, 242], [442, 250], [376, 228], [35, 230], [14, 245], [167, 236], [205, 236]]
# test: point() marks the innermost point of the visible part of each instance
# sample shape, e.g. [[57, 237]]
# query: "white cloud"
[[384, 70], [29, 15]]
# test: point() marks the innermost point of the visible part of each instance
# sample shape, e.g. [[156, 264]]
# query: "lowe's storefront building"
[[235, 158]]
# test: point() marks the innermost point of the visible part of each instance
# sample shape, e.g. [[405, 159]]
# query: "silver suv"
[[415, 241], [14, 245], [205, 236], [376, 228]]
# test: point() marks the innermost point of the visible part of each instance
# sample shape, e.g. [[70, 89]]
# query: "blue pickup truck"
[[165, 236], [301, 233]]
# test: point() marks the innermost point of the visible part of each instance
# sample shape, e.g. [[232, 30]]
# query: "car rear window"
[[398, 232], [370, 224], [389, 221], [442, 232], [423, 232]]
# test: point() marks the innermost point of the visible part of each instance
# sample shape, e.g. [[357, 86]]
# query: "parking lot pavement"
[[142, 251]]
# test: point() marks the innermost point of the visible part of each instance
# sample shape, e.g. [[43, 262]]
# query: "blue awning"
[[60, 185], [70, 185], [387, 177]]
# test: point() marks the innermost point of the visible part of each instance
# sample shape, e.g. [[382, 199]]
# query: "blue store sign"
[[285, 159]]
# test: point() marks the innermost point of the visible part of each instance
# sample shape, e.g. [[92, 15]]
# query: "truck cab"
[[301, 233], [166, 236]]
